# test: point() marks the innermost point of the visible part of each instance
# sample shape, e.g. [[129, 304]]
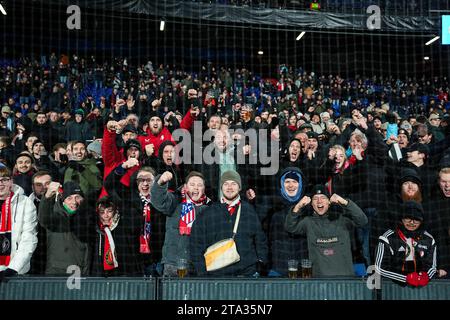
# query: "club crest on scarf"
[[187, 216]]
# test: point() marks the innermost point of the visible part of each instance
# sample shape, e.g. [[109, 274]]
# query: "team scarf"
[[5, 231], [187, 216], [109, 250], [147, 225], [233, 205], [411, 243]]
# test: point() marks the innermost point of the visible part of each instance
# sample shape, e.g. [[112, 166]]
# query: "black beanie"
[[131, 143], [412, 210], [320, 189], [71, 188]]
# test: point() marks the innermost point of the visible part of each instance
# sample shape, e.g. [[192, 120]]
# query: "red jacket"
[[112, 158], [164, 135]]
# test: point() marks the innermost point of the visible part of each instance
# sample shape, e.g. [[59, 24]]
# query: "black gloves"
[[7, 274]]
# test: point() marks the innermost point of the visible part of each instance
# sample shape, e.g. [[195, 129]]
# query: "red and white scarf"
[[5, 227], [232, 207], [109, 250], [187, 216]]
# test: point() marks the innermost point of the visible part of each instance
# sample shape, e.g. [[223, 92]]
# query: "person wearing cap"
[[82, 169], [217, 223], [18, 238], [78, 129], [182, 209], [114, 246], [112, 154], [65, 216], [166, 162], [157, 133], [327, 230], [407, 254], [8, 117], [417, 158], [284, 245]]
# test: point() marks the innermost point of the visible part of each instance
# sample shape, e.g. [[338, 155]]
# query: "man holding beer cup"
[[327, 229]]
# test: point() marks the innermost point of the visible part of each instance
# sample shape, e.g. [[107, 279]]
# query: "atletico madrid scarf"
[[187, 217], [5, 231], [109, 250], [147, 227]]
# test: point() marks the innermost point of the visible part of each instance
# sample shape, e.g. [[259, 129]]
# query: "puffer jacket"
[[23, 231]]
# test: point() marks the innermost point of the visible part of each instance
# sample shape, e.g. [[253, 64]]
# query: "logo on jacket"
[[6, 245], [328, 252], [327, 240]]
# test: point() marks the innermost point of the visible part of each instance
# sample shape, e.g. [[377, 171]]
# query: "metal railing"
[[41, 288]]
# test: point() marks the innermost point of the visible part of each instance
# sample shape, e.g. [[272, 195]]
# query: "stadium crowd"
[[91, 172]]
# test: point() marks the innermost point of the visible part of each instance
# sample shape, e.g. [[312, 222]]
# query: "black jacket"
[[216, 224], [390, 259]]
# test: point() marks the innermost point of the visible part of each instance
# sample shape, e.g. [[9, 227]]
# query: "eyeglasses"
[[4, 180], [409, 220], [141, 180]]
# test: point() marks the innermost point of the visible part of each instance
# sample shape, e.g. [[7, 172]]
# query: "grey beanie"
[[231, 175]]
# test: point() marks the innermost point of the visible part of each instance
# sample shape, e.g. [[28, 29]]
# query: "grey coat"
[[328, 238], [66, 244], [175, 245]]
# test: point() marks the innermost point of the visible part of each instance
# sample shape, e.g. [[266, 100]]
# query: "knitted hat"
[[129, 128], [231, 175], [155, 114], [412, 210], [95, 146], [403, 131], [320, 189], [80, 111], [71, 188], [409, 174], [292, 175], [131, 143]]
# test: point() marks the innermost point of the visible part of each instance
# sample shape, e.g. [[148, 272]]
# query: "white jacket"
[[24, 231]]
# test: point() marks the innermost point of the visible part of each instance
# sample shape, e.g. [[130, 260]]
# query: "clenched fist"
[[302, 203], [149, 149], [130, 163], [165, 177], [338, 200], [52, 189]]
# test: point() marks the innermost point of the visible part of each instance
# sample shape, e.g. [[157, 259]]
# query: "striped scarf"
[[109, 250], [187, 216], [5, 232], [147, 226], [233, 205]]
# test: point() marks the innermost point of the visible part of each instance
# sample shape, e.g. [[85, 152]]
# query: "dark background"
[[32, 28]]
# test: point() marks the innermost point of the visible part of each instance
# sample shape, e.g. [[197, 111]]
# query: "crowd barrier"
[[41, 288]]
